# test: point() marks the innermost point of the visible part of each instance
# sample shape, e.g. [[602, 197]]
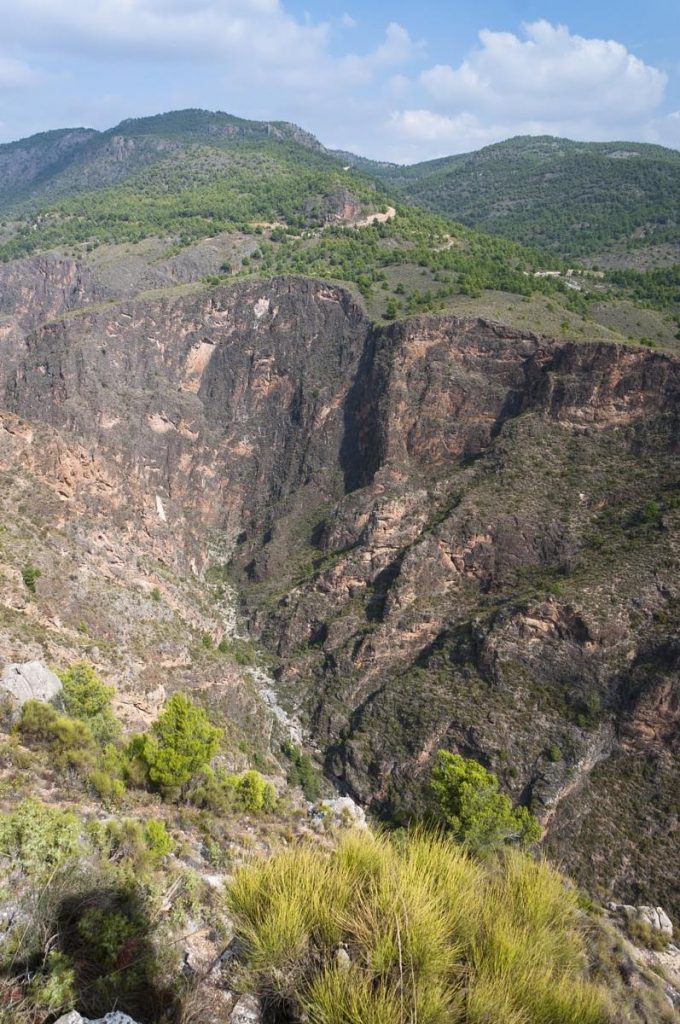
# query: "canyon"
[[443, 532]]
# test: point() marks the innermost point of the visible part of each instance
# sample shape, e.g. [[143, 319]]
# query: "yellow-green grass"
[[433, 936]]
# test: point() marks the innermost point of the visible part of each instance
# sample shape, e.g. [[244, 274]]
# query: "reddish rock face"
[[450, 533]]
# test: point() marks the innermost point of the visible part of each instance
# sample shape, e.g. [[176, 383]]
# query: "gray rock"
[[655, 918], [343, 961], [343, 811], [30, 681], [246, 1011], [111, 1018]]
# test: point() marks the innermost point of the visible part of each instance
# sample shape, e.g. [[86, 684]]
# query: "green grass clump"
[[432, 935]]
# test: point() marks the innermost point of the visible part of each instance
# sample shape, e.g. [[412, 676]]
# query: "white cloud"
[[549, 75], [15, 74], [546, 81], [199, 29]]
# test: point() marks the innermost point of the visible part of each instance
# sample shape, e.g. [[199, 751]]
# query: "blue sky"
[[398, 81]]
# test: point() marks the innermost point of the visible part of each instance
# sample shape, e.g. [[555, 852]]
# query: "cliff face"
[[450, 533]]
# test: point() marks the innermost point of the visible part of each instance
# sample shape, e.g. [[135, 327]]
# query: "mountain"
[[365, 484], [60, 163], [614, 202]]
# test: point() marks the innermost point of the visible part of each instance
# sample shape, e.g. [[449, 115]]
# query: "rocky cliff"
[[447, 532]]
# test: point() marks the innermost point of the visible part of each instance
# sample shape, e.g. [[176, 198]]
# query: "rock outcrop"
[[448, 532], [30, 681]]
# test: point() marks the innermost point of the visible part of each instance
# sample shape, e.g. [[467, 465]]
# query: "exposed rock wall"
[[451, 533]]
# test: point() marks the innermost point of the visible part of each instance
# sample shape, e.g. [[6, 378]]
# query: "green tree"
[[181, 742], [478, 814], [88, 698]]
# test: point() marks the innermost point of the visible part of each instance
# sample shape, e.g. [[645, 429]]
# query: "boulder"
[[111, 1018], [343, 811], [655, 918], [29, 681], [246, 1011]]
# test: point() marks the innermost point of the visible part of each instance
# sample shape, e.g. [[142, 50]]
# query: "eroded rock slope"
[[447, 532]]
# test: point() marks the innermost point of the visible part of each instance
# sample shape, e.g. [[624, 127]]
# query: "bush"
[[474, 809], [223, 792], [30, 574], [432, 935], [88, 698], [38, 837], [302, 772], [71, 742], [53, 988], [109, 789], [159, 842], [181, 742], [254, 793]]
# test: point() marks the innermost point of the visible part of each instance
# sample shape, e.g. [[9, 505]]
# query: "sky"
[[400, 81]]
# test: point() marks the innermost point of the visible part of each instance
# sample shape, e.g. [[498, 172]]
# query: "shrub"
[[88, 698], [109, 789], [223, 792], [71, 742], [53, 988], [474, 809], [302, 772], [433, 936], [30, 574], [254, 793], [159, 842], [37, 836], [181, 742]]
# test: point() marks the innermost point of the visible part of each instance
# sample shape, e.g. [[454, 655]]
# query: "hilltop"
[[194, 198], [614, 202]]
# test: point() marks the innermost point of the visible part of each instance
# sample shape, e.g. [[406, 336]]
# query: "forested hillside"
[[575, 199]]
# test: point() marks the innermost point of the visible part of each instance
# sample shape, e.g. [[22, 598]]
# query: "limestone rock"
[[655, 918], [246, 1011], [111, 1018], [30, 681], [344, 811]]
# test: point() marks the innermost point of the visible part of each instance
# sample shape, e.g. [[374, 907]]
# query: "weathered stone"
[[344, 811], [655, 918], [111, 1018], [30, 681], [246, 1011]]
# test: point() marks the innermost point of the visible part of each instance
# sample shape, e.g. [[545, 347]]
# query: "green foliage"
[[195, 193], [53, 988], [554, 753], [254, 793], [302, 772], [144, 843], [181, 742], [30, 574], [242, 651], [432, 936], [474, 809], [108, 788], [569, 197], [71, 741], [159, 842], [38, 837], [224, 792], [88, 698]]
